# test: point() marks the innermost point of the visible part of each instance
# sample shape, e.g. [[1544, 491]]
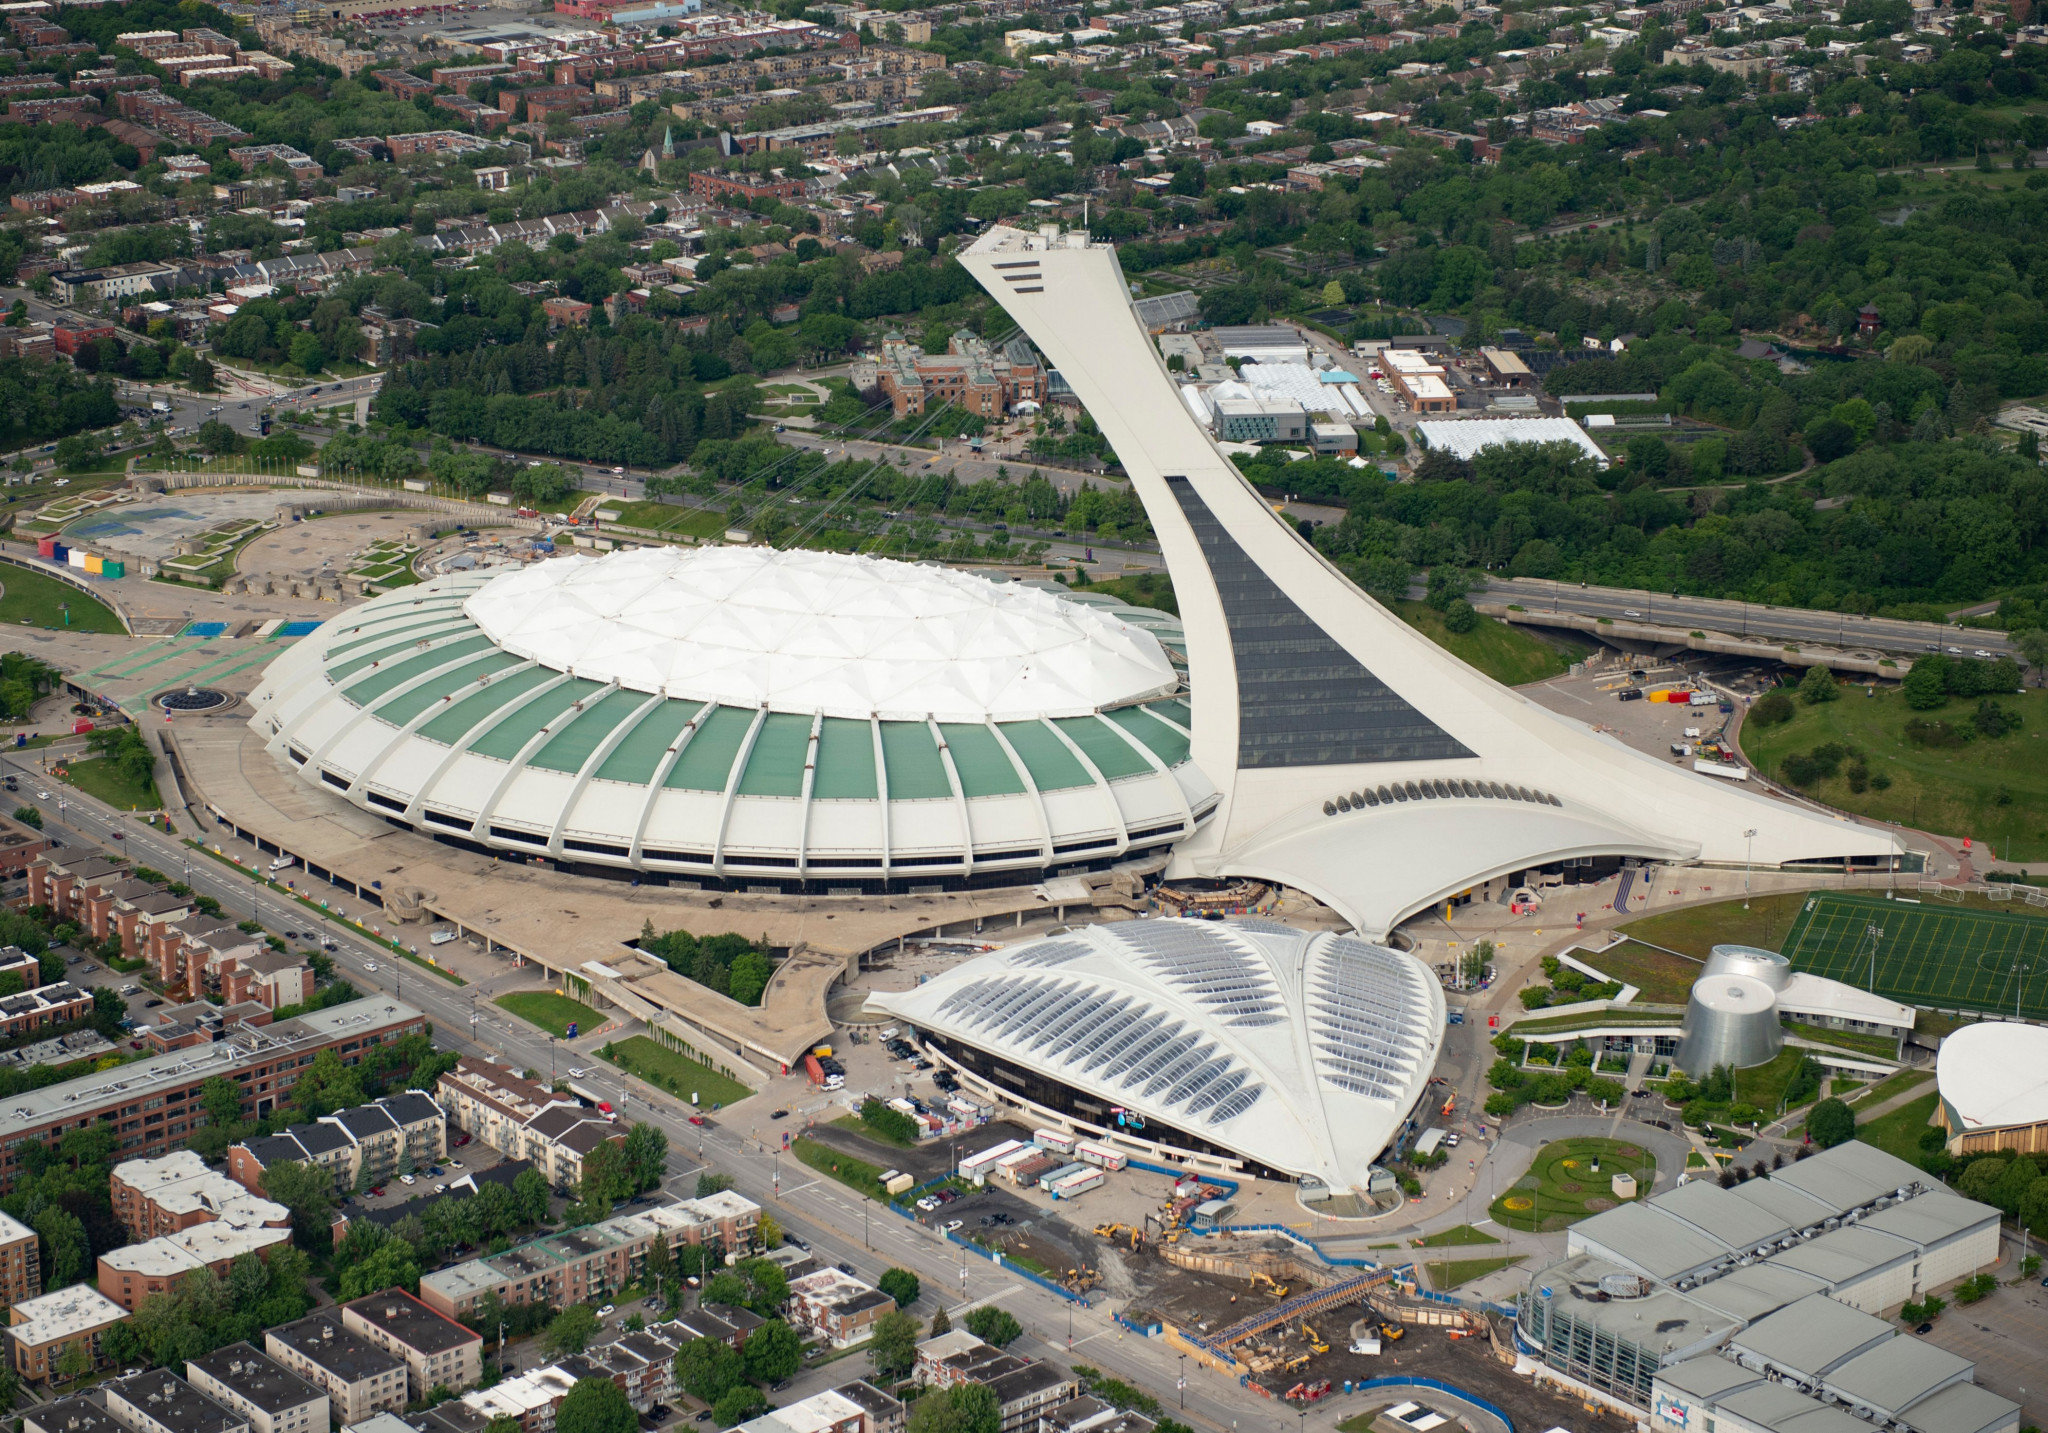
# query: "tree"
[[1831, 1123], [737, 1405], [709, 1184], [64, 1249], [217, 437], [993, 1325], [941, 1323], [773, 1352], [1818, 685], [892, 1345], [769, 1231], [29, 816], [2033, 645], [1926, 685], [966, 1408], [900, 1285], [570, 1330], [646, 1156], [596, 1405], [1771, 709], [1460, 617], [327, 1085], [392, 1265], [222, 1101], [530, 1192], [75, 1362], [707, 1367], [305, 1189]]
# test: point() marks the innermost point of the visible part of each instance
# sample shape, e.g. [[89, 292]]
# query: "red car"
[[699, 1120]]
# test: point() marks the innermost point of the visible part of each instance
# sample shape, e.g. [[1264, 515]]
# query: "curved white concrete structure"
[[1305, 689]]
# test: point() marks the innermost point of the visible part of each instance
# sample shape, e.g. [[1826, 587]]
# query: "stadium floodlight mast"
[[1875, 933]]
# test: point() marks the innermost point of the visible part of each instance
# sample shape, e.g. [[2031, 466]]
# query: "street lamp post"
[[1180, 1383], [1748, 846]]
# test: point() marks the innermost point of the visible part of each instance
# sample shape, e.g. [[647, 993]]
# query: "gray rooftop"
[[1773, 1405], [324, 1340], [168, 1401], [83, 1414], [1846, 1254], [1708, 1376], [1963, 1408], [1932, 1219], [1638, 1236], [1750, 1293], [1784, 1201], [1850, 1174], [256, 1376], [1722, 1214], [1664, 1322], [1812, 1336], [1893, 1378]]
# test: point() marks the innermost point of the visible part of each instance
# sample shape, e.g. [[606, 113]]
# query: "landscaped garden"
[[551, 1012], [1450, 1273], [674, 1071], [1571, 1179]]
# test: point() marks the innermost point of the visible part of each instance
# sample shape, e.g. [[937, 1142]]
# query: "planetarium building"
[[808, 721]]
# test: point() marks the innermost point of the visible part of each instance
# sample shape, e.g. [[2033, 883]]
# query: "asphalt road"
[[744, 1144], [1747, 618]]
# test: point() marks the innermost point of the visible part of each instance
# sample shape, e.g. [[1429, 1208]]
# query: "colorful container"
[[93, 564], [114, 567], [59, 552], [46, 546], [75, 556]]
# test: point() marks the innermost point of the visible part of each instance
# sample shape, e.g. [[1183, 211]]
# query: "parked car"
[[407, 1179], [779, 1115], [606, 1312]]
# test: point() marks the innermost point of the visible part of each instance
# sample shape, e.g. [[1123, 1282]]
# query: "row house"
[[367, 1142], [19, 963], [153, 1103], [583, 1265], [174, 118], [190, 955], [47, 1005]]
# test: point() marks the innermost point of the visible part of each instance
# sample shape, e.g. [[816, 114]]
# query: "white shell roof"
[[822, 632], [1995, 1073], [1299, 1050]]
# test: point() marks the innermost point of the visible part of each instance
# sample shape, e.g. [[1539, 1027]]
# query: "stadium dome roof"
[[826, 632], [821, 721], [1299, 1051], [1994, 1074]]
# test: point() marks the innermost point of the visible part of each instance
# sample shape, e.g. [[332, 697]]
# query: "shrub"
[[1831, 1123], [1805, 768], [1925, 731], [1993, 720], [1817, 686], [1772, 709]]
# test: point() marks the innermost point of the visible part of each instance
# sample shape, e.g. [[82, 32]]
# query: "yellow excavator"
[[1315, 1340], [1393, 1333], [1279, 1289]]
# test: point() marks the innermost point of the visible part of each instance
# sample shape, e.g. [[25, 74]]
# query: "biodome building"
[[803, 721]]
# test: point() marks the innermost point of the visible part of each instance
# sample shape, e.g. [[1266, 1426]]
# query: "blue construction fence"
[[1228, 1186], [1506, 1311], [1399, 1382], [1335, 1261]]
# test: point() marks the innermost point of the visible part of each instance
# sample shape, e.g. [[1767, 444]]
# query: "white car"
[[440, 1189], [606, 1312], [42, 796], [575, 1074], [955, 1224], [927, 1204], [369, 965], [407, 1179]]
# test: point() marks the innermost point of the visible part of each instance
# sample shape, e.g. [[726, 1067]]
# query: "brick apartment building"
[[153, 1103], [21, 1267], [970, 375], [134, 1272], [524, 1120], [719, 185], [437, 1351], [31, 1010], [152, 1197], [40, 1330]]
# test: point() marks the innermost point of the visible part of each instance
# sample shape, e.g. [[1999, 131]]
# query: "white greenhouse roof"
[[1995, 1073], [1464, 437], [830, 633], [1300, 1051]]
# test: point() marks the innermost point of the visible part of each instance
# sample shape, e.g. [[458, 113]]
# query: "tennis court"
[[1929, 955]]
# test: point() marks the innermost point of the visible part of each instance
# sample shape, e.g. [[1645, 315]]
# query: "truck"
[[1100, 1155], [1076, 1184], [1054, 1141], [159, 405], [824, 1072], [1727, 771]]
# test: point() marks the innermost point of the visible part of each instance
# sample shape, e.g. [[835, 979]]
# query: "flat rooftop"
[[256, 1376], [411, 1322]]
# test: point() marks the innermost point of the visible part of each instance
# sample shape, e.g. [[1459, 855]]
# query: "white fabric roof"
[[1995, 1073], [1301, 1051], [1463, 437], [819, 632]]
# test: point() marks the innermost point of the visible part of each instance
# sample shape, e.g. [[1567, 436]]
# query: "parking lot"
[[1594, 696], [2004, 1336]]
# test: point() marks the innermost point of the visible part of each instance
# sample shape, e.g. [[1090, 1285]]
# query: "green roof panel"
[[1053, 767], [387, 645], [509, 735], [707, 760], [474, 710], [911, 756], [639, 755], [403, 708], [775, 767], [1175, 710], [1113, 755], [1169, 745], [396, 674], [985, 768], [846, 761], [570, 747]]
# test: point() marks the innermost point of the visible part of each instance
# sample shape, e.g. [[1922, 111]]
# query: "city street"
[[740, 1141]]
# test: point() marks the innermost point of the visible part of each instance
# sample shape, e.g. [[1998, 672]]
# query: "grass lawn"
[[96, 777], [32, 600], [1956, 957], [857, 1175], [1562, 1187], [1663, 978], [673, 1071], [668, 517], [1899, 1132], [1764, 1085], [1696, 930], [1463, 1234], [1509, 654], [1953, 790], [553, 1013], [1876, 1046], [856, 1125], [1448, 1274], [1145, 589]]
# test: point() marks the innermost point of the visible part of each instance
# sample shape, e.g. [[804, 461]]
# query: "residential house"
[[365, 1144]]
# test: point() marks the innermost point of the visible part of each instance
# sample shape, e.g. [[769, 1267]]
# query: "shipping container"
[[93, 564], [976, 1166], [1076, 1184], [1725, 770], [59, 553], [75, 556], [115, 567], [46, 546], [1054, 1176], [1053, 1140], [1100, 1155]]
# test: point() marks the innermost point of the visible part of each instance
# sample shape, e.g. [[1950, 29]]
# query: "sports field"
[[1935, 955]]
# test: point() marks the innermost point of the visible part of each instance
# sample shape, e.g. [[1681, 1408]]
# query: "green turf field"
[[1931, 954]]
